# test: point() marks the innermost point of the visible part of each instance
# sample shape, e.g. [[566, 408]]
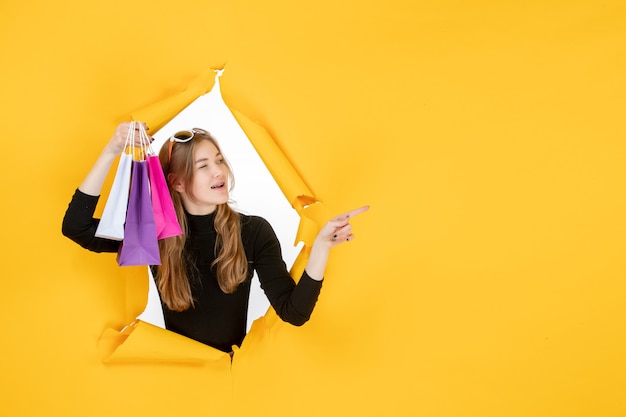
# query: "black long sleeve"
[[293, 303], [80, 225]]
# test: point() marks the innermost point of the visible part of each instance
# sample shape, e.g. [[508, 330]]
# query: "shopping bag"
[[111, 224], [164, 214], [140, 245]]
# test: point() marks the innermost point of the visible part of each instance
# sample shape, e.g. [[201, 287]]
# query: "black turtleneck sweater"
[[217, 319]]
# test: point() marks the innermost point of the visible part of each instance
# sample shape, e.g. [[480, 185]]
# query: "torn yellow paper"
[[313, 217], [158, 114], [142, 342], [312, 212], [280, 167]]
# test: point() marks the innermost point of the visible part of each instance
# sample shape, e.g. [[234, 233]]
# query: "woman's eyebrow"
[[217, 155]]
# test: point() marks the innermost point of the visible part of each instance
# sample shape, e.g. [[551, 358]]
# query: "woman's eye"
[[220, 161]]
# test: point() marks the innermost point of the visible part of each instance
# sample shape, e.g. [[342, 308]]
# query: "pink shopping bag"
[[164, 214]]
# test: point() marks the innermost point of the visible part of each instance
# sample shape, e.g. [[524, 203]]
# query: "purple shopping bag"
[[164, 214], [140, 245]]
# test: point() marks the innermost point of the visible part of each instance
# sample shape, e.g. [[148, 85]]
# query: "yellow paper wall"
[[488, 279]]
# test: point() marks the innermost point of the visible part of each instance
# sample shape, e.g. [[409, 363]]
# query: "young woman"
[[204, 279]]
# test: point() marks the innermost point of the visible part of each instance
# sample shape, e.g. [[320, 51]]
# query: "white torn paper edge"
[[256, 192]]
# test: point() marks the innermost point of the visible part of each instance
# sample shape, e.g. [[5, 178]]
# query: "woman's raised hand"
[[92, 183], [339, 229], [116, 144]]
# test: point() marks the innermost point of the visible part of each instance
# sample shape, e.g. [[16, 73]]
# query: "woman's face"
[[209, 186]]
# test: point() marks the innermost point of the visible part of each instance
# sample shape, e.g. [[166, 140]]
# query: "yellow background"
[[486, 280]]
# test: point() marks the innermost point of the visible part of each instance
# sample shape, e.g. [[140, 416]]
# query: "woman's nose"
[[217, 171]]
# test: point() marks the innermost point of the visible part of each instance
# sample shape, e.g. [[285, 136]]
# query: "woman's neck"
[[200, 210]]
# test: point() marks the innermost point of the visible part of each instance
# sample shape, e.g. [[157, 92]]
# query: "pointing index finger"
[[355, 212]]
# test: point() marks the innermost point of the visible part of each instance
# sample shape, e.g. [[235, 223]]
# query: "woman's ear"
[[176, 184]]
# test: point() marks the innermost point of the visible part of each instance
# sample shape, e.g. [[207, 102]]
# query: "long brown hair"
[[230, 262]]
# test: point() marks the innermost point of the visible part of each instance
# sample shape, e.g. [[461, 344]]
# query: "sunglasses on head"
[[182, 137]]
